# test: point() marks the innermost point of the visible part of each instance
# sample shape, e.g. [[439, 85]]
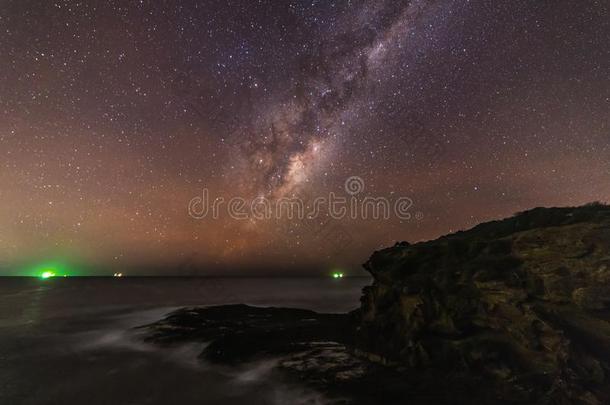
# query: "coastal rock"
[[522, 304], [238, 333]]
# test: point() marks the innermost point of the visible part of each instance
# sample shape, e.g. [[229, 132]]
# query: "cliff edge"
[[519, 308]]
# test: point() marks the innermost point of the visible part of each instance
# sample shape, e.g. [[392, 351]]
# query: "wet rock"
[[237, 333]]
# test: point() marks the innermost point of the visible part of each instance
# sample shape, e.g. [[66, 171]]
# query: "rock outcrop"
[[518, 310], [238, 333]]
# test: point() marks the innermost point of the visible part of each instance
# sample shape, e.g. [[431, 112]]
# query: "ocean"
[[67, 341]]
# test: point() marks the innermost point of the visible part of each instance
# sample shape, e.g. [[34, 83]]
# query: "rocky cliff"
[[519, 308]]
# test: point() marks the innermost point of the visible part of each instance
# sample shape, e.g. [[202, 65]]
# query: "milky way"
[[332, 84], [115, 115]]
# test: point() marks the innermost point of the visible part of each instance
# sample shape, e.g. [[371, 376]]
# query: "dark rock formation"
[[314, 349], [510, 312], [239, 333], [522, 305]]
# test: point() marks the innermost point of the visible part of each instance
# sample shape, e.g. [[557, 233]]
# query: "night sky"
[[114, 115]]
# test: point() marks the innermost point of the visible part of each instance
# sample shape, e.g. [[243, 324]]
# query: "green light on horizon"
[[47, 274], [49, 270], [337, 275]]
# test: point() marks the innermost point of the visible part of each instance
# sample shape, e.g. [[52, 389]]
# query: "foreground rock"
[[514, 312], [313, 349], [240, 333]]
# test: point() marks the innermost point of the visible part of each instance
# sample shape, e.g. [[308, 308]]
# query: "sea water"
[[71, 341]]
